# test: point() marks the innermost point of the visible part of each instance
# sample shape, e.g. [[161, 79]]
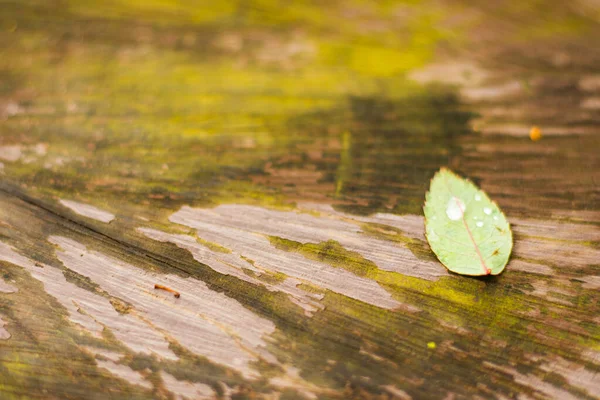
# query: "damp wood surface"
[[223, 200]]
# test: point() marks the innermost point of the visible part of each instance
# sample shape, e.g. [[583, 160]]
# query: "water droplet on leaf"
[[431, 235], [455, 208]]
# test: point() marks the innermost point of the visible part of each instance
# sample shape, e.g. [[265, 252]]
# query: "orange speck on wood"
[[535, 133]]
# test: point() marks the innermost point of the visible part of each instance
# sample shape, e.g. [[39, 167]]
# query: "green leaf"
[[465, 229]]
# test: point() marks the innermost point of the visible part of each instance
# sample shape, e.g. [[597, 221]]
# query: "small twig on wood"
[[175, 292]]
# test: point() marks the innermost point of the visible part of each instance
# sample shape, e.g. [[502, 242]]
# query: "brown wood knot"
[[168, 289]]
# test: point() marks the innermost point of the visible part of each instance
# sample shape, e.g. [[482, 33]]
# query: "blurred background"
[[356, 103]]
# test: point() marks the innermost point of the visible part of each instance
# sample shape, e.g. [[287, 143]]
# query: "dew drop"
[[487, 210], [479, 224], [432, 236], [455, 208], [477, 197]]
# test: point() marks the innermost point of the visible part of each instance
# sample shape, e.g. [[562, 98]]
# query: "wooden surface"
[[265, 164]]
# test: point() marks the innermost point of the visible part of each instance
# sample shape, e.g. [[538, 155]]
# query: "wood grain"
[[269, 164]]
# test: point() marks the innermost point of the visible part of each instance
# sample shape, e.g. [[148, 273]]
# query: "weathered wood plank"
[[269, 164]]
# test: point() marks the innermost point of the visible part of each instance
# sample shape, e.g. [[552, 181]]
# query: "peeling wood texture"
[[224, 200]]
